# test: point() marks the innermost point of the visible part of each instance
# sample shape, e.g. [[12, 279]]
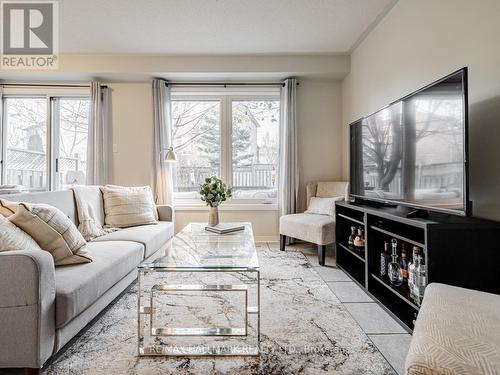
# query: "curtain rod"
[[47, 85], [225, 84]]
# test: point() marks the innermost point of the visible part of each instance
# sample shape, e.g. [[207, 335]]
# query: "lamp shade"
[[170, 156]]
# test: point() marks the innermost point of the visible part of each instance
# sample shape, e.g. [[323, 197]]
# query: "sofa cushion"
[[151, 236], [318, 229], [80, 285], [128, 206], [7, 208], [456, 332], [13, 238], [53, 231], [62, 199]]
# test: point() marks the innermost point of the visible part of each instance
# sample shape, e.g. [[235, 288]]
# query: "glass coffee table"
[[197, 251]]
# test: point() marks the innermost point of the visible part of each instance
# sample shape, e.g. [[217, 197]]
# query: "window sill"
[[228, 207]]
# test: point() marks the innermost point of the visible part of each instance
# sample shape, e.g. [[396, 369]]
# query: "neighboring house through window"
[[232, 134], [44, 137]]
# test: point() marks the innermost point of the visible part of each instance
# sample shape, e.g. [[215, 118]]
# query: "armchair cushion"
[[331, 189], [318, 229], [322, 206]]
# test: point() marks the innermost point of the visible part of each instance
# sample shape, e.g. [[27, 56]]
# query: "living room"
[[150, 126]]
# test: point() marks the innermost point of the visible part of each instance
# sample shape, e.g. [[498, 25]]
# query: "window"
[[234, 136], [255, 147], [44, 137], [25, 138], [73, 124], [196, 139]]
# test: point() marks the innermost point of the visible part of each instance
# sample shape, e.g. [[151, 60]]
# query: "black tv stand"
[[456, 251], [418, 214]]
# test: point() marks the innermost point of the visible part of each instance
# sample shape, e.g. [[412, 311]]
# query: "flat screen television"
[[413, 152]]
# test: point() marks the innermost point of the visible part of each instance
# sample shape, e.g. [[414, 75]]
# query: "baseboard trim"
[[267, 239]]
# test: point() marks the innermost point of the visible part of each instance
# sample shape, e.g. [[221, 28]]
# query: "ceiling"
[[216, 26]]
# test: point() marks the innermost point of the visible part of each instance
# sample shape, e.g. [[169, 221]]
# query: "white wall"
[[319, 114], [320, 134], [132, 133], [418, 42]]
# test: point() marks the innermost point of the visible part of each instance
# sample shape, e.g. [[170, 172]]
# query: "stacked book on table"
[[225, 228]]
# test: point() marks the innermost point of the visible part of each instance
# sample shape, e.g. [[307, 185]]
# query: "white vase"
[[213, 216]]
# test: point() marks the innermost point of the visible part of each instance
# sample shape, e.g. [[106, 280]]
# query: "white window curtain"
[[164, 186], [97, 146], [289, 172]]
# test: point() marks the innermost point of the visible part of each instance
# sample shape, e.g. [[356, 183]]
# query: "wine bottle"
[[420, 280], [350, 241], [384, 258], [359, 240], [403, 262], [394, 269], [411, 269]]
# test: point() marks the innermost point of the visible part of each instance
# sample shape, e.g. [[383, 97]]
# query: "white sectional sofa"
[[42, 307]]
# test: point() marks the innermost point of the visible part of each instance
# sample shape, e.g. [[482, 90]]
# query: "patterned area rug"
[[304, 330]]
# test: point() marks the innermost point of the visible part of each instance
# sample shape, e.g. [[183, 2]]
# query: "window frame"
[[226, 96], [51, 95]]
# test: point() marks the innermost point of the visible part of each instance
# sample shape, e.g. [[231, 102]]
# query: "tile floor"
[[386, 334]]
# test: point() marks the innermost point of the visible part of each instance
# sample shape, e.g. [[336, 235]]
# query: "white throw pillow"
[[323, 206], [53, 231], [128, 206], [13, 238]]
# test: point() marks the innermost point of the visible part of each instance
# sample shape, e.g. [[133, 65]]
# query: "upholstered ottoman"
[[457, 332]]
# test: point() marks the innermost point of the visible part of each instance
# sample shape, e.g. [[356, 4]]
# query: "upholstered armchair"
[[312, 226]]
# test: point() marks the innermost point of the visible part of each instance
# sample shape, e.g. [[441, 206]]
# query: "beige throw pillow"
[[53, 231], [8, 208], [323, 206], [331, 189], [128, 206], [13, 238]]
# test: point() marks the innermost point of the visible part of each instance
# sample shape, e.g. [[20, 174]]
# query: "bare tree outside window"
[[26, 147], [73, 136], [253, 153], [255, 140], [196, 139]]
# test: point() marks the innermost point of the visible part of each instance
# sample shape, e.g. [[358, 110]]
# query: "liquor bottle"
[[411, 269], [420, 280], [384, 258], [359, 240], [403, 262], [394, 269], [350, 241]]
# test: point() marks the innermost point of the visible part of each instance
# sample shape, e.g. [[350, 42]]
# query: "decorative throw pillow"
[[13, 238], [323, 206], [331, 189], [8, 208], [128, 206], [53, 231]]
